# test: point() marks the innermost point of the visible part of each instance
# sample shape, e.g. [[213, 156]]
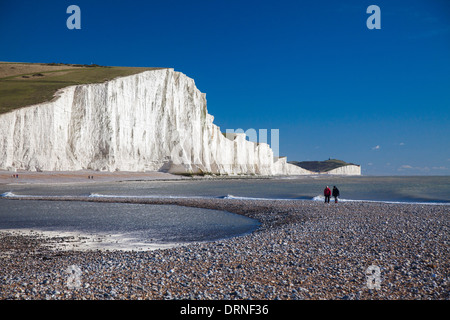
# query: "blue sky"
[[311, 69]]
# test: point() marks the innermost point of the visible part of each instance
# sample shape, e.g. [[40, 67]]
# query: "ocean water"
[[422, 189], [165, 223]]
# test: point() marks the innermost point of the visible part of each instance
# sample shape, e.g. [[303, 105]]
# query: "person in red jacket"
[[327, 194]]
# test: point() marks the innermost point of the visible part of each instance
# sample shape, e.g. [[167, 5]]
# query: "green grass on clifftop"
[[321, 166], [24, 84]]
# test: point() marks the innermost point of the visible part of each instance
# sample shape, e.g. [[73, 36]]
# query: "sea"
[[171, 224]]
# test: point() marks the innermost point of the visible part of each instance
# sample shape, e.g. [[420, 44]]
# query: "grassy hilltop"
[[24, 84], [321, 166]]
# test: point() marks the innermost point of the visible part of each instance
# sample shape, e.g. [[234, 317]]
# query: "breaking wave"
[[318, 198]]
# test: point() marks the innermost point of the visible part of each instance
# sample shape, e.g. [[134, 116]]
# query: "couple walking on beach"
[[327, 193]]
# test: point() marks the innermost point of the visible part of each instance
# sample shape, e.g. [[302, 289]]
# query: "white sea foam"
[[97, 195], [322, 198], [229, 196], [7, 195], [318, 198]]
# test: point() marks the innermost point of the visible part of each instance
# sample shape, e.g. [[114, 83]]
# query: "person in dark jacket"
[[327, 194], [335, 194]]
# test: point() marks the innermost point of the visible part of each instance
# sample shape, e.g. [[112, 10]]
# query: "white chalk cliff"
[[155, 120], [353, 170]]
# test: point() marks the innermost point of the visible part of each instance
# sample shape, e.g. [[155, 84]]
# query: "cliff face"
[[346, 170], [155, 120]]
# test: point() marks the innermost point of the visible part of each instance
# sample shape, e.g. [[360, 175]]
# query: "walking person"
[[335, 194], [327, 194]]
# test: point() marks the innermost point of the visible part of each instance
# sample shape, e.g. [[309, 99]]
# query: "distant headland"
[[330, 166]]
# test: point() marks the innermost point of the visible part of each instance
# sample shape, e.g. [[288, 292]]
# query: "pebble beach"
[[303, 250]]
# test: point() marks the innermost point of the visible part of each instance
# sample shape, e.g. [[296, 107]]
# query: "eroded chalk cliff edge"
[[152, 121]]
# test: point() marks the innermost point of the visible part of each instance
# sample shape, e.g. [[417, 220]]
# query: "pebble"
[[302, 250]]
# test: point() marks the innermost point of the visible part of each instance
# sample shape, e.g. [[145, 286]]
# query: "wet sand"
[[303, 250]]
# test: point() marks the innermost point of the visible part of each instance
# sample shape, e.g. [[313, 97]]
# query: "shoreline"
[[302, 250], [81, 176], [83, 242]]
